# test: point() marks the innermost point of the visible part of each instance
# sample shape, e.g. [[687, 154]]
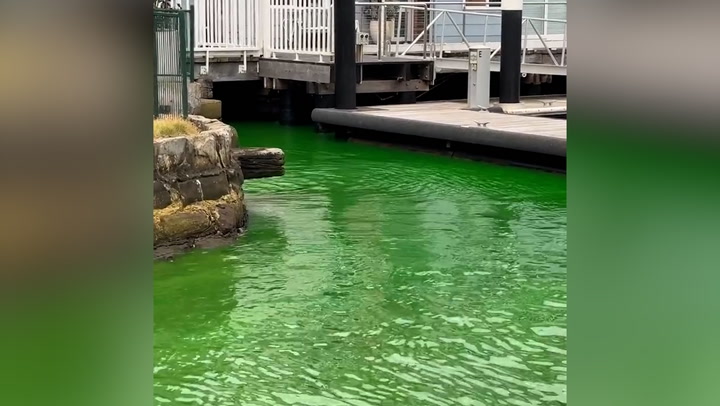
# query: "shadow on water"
[[372, 276], [463, 151]]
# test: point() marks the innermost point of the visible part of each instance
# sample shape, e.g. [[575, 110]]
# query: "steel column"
[[511, 51], [345, 76]]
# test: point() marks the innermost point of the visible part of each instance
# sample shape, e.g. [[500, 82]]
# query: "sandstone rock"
[[271, 154], [161, 196], [190, 191], [198, 187], [194, 96], [224, 141], [206, 87], [211, 108], [201, 122], [236, 179], [171, 154], [204, 152], [181, 225], [214, 187], [260, 162], [229, 217], [202, 88]]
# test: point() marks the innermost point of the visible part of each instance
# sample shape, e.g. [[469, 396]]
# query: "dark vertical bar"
[[407, 97], [156, 108], [286, 107], [510, 51], [345, 77], [323, 101], [426, 17], [184, 74], [192, 42]]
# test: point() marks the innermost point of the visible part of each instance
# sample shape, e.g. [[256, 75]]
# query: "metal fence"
[[439, 26], [173, 61], [431, 29], [226, 25], [301, 27]]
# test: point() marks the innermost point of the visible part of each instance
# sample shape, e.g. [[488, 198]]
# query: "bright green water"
[[372, 276]]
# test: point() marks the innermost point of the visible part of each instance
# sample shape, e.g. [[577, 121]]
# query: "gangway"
[[246, 31]]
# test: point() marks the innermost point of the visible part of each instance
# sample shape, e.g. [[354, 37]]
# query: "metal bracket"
[[242, 68]]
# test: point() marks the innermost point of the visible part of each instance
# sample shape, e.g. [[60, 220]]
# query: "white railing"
[[534, 32], [533, 40], [301, 27], [226, 25], [304, 28], [544, 39]]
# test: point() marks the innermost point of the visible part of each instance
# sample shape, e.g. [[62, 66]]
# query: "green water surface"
[[372, 276]]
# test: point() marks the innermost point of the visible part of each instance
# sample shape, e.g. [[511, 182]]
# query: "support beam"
[[287, 108], [407, 98], [345, 75], [511, 50], [374, 86], [297, 71]]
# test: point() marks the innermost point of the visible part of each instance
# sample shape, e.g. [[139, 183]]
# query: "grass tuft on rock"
[[173, 127]]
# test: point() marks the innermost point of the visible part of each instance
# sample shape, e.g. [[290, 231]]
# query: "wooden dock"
[[452, 121]]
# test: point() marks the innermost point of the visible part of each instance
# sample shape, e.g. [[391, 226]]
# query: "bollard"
[[478, 96], [345, 76], [511, 50]]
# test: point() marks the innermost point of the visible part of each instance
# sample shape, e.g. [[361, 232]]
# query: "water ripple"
[[372, 276]]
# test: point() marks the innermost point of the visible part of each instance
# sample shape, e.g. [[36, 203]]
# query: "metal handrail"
[[253, 33], [475, 13], [452, 3], [447, 14]]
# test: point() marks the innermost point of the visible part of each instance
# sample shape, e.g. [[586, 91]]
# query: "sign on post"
[[479, 78]]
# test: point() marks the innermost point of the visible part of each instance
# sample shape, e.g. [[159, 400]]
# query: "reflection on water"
[[372, 276]]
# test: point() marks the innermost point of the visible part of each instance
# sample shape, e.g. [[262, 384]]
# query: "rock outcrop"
[[197, 188], [260, 162]]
